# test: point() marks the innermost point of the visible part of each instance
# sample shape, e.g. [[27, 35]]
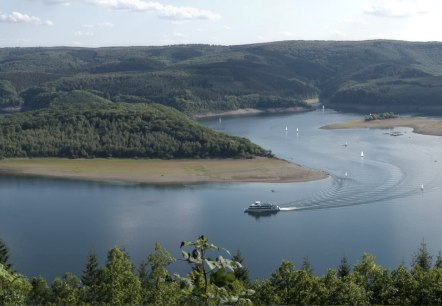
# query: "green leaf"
[[211, 264], [186, 255]]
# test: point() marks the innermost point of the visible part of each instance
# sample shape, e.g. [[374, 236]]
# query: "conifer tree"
[[423, 259], [438, 263], [90, 279], [4, 255], [307, 266], [344, 268], [241, 272]]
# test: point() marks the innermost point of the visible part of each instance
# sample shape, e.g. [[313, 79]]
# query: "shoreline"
[[420, 125], [131, 171], [251, 111]]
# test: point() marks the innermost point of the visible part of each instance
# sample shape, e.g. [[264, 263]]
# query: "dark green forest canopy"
[[376, 75], [104, 129]]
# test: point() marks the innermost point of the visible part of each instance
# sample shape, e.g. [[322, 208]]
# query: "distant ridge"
[[372, 75]]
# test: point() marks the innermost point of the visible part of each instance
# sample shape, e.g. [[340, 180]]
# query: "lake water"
[[51, 225]]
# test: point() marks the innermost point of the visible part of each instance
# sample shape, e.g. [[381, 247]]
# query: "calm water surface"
[[51, 225]]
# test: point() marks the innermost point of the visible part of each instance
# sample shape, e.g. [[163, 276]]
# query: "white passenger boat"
[[259, 207]]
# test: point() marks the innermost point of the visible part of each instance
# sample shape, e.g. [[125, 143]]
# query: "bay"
[[51, 225]]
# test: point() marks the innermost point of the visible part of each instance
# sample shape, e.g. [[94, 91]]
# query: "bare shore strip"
[[251, 111], [269, 170], [420, 125]]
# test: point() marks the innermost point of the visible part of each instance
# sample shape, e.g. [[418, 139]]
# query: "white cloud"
[[180, 35], [100, 25], [398, 8], [338, 33], [58, 1], [105, 24], [84, 33], [17, 17], [163, 10], [287, 34], [356, 21], [228, 28]]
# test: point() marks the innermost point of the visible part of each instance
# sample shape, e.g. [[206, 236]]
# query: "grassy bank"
[[420, 125], [163, 171]]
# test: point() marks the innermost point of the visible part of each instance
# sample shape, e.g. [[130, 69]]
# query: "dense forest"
[[378, 75], [104, 129], [221, 280]]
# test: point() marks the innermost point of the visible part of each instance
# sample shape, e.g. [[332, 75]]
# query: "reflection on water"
[[51, 225]]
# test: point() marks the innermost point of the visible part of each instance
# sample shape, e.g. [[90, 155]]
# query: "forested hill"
[[100, 129], [366, 75]]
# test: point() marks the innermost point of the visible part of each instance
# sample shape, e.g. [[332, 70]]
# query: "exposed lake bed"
[[154, 171], [420, 125], [378, 206]]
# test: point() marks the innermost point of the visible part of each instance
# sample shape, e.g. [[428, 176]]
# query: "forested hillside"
[[104, 129], [379, 74]]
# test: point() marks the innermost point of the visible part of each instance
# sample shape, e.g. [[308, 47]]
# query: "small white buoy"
[[362, 153], [346, 174], [323, 107], [297, 130], [422, 187], [286, 128], [346, 144]]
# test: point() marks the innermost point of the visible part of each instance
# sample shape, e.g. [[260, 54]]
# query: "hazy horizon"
[[106, 23]]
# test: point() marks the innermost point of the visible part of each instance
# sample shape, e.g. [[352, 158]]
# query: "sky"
[[99, 23]]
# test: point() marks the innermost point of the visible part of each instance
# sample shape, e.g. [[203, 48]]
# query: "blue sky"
[[96, 23]]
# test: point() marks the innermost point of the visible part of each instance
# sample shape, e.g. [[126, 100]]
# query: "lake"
[[372, 204]]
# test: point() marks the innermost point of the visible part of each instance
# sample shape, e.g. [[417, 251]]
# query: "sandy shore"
[[252, 111], [420, 125], [269, 170]]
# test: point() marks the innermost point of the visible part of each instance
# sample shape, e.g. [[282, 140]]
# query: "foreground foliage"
[[103, 129], [214, 281]]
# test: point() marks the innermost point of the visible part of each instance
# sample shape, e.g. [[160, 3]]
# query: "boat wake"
[[367, 186], [288, 208]]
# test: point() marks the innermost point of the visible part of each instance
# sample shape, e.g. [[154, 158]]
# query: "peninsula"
[[181, 171]]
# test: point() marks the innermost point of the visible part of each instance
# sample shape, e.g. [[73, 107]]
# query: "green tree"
[[422, 259], [90, 279], [344, 268], [241, 272], [4, 255], [40, 293], [404, 286], [307, 266], [340, 291], [283, 279], [14, 288], [118, 283], [438, 263], [371, 277], [66, 290], [155, 279]]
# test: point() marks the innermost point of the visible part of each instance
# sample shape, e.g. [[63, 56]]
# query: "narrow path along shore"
[[269, 170], [420, 125]]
